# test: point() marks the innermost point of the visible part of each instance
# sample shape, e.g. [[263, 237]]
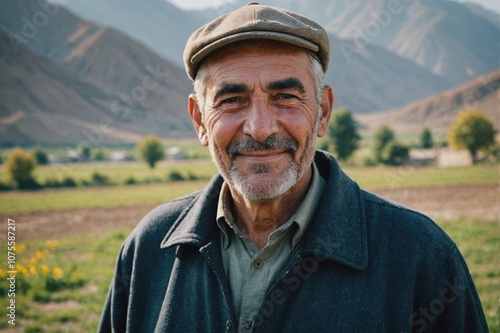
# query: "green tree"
[[342, 134], [395, 153], [472, 131], [150, 150], [383, 136], [426, 140], [19, 168], [84, 151], [40, 156]]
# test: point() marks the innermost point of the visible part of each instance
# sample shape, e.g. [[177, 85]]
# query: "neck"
[[258, 219]]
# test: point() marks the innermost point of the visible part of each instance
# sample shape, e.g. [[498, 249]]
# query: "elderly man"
[[282, 240]]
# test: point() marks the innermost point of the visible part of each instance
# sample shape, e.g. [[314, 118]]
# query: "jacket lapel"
[[337, 232]]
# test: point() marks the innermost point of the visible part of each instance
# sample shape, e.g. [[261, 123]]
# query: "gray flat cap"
[[256, 22]]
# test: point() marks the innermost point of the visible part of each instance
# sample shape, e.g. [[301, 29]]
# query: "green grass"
[[479, 243], [118, 172], [82, 197], [78, 309], [75, 309], [24, 201], [405, 176]]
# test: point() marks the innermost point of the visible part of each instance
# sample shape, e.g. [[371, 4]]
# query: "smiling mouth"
[[262, 156]]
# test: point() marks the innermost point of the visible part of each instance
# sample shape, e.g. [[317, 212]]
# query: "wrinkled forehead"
[[256, 59]]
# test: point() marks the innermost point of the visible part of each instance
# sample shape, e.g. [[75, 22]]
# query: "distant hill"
[[367, 80], [65, 77], [438, 112], [125, 83], [454, 40]]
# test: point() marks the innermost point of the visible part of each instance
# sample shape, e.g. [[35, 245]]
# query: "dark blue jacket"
[[365, 265]]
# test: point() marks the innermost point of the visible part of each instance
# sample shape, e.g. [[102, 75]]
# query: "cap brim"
[[271, 35]]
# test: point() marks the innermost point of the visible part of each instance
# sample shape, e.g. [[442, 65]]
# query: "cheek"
[[223, 130]]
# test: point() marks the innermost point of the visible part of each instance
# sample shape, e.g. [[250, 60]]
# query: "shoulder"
[[405, 229], [154, 226]]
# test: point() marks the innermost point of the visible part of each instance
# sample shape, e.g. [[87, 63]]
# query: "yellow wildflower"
[[45, 269], [21, 269], [33, 270], [57, 272], [32, 261], [41, 254], [21, 248], [51, 244], [3, 273]]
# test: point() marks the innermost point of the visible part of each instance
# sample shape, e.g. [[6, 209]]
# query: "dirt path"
[[480, 202]]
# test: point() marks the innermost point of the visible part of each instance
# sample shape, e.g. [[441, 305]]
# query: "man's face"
[[260, 118]]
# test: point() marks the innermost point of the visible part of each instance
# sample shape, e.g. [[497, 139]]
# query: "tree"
[[426, 140], [19, 168], [395, 153], [343, 134], [382, 137], [84, 151], [40, 156], [472, 131], [150, 150]]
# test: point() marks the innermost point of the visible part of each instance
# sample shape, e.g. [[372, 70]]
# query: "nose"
[[260, 122]]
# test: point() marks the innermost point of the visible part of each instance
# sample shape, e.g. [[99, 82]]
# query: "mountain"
[[366, 80], [35, 96], [375, 79], [141, 92], [438, 112], [456, 41], [158, 24]]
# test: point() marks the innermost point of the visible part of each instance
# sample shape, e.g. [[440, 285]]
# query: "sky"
[[190, 4]]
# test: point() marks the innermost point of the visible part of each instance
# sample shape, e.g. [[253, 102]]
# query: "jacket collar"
[[337, 232]]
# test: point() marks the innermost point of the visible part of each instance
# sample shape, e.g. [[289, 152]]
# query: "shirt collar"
[[302, 216]]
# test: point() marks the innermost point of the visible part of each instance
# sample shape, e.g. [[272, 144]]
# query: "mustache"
[[248, 145]]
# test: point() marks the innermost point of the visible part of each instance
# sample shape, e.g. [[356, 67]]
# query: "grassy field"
[[74, 305], [108, 196], [66, 279]]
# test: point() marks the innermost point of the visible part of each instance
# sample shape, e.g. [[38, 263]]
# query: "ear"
[[197, 119], [327, 100]]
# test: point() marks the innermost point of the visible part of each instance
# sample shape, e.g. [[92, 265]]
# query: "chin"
[[264, 186]]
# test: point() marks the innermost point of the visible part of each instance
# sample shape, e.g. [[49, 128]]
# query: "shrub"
[[99, 179], [175, 176], [19, 168], [40, 156], [52, 183], [130, 181], [68, 182], [99, 155]]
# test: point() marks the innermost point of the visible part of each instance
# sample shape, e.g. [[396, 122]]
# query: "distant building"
[[422, 157], [120, 156], [175, 153], [453, 158], [442, 157]]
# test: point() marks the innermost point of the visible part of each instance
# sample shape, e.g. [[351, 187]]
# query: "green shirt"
[[251, 271]]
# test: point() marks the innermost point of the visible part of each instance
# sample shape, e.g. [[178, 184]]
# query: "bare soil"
[[478, 202]]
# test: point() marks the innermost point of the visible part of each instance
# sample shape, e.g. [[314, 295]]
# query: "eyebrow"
[[234, 88], [288, 83], [230, 88]]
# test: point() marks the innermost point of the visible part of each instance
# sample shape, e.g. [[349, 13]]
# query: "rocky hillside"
[[127, 84], [439, 111]]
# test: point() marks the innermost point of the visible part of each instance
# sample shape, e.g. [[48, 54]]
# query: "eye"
[[286, 96], [231, 100]]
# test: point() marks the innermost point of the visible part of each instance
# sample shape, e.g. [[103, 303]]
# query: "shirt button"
[[258, 263], [228, 324], [247, 325]]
